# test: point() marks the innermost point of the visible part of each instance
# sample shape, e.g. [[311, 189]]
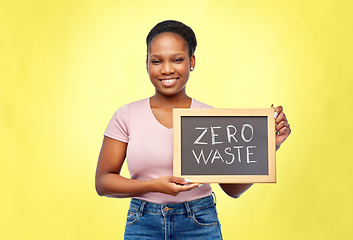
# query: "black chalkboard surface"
[[224, 145]]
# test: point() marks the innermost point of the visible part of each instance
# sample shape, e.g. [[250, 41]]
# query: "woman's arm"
[[110, 183], [282, 132]]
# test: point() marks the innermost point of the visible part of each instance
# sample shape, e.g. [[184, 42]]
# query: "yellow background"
[[67, 65]]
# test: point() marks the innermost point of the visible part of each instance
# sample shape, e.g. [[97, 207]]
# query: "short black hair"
[[176, 27]]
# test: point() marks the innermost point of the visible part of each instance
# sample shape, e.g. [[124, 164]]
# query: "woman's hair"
[[174, 27]]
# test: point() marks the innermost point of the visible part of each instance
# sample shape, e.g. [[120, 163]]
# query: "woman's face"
[[168, 64]]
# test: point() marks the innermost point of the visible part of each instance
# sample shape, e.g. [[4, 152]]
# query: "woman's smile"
[[168, 82]]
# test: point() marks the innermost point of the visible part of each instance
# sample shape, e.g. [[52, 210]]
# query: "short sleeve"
[[118, 126]]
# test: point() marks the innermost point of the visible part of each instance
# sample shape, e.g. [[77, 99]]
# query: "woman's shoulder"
[[138, 103], [135, 105], [198, 104], [132, 108]]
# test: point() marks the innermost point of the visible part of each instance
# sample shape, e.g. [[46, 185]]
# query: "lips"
[[168, 81]]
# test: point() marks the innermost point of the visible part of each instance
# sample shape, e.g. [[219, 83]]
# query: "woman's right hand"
[[171, 185], [110, 183]]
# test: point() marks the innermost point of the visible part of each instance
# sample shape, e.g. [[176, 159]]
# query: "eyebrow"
[[173, 55]]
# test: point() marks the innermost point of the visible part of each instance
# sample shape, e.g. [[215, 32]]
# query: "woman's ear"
[[192, 62], [147, 64]]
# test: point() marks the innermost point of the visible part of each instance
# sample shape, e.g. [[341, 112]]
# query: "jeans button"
[[166, 209]]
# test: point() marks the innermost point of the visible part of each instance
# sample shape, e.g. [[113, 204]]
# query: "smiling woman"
[[162, 206]]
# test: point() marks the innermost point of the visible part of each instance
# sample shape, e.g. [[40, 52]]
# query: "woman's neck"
[[176, 101]]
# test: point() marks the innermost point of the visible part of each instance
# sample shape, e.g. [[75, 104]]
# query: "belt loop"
[[187, 206], [214, 197], [143, 203]]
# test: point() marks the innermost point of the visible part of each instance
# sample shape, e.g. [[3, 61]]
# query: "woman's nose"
[[167, 68]]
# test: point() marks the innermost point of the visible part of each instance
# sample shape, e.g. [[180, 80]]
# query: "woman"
[[162, 206]]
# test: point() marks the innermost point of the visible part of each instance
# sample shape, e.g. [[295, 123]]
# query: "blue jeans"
[[196, 219]]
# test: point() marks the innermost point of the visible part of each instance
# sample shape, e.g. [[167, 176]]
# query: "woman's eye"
[[179, 60], [155, 61]]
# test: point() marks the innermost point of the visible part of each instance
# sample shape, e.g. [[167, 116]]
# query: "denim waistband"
[[172, 208]]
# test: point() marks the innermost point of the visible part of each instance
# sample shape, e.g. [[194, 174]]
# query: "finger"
[[280, 117], [284, 131], [178, 180], [281, 125], [184, 188], [278, 111]]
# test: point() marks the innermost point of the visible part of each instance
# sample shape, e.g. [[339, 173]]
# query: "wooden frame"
[[269, 113]]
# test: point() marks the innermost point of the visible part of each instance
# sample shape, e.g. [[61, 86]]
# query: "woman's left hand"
[[282, 127]]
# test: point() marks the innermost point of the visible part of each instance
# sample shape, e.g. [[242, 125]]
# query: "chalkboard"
[[224, 145]]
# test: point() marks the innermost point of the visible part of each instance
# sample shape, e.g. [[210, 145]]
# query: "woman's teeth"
[[169, 80]]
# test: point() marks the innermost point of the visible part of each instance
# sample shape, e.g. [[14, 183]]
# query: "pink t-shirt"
[[150, 148]]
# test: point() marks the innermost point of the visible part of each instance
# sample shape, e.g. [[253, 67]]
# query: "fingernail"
[[275, 115], [187, 180], [200, 185]]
